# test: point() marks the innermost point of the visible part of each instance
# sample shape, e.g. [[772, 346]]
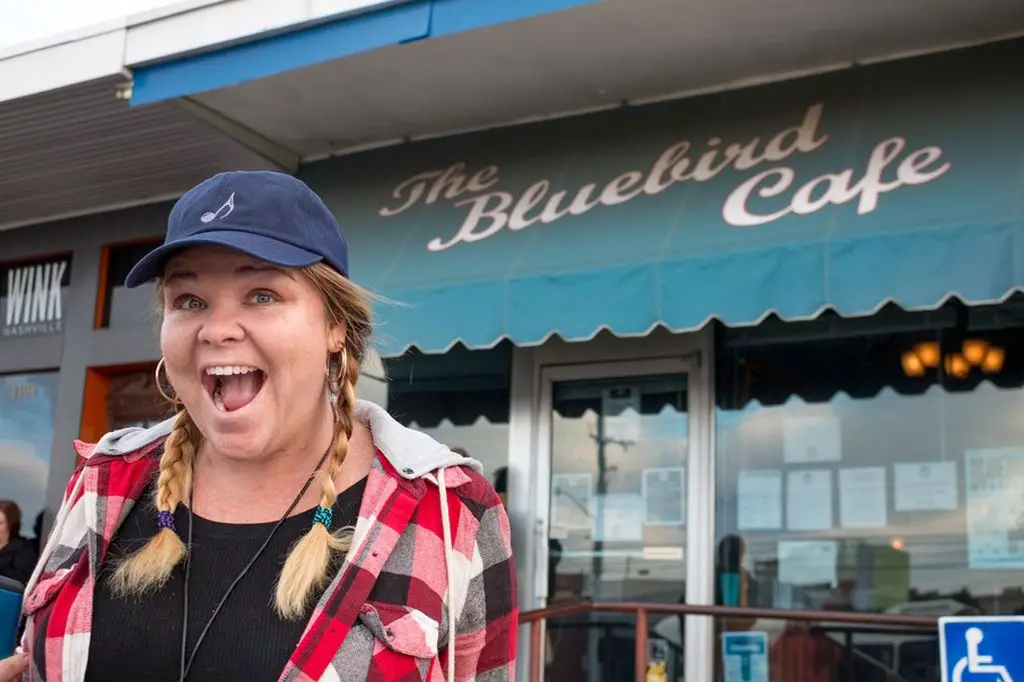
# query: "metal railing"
[[643, 610]]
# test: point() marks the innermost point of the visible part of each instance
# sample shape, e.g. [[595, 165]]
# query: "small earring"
[[160, 384]]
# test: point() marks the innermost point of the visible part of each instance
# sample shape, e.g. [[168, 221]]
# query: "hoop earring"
[[336, 372], [160, 385]]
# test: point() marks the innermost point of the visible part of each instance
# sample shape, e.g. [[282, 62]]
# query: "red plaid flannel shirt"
[[384, 617]]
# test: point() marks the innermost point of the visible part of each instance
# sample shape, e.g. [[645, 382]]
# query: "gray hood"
[[411, 453]]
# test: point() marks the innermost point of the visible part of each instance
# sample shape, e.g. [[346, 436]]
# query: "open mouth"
[[232, 387]]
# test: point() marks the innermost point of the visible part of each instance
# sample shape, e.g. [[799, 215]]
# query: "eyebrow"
[[245, 270]]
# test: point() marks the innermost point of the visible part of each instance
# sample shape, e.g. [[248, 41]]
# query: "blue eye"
[[263, 298], [189, 303]]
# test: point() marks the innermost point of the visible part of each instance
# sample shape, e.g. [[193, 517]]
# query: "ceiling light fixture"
[[973, 353]]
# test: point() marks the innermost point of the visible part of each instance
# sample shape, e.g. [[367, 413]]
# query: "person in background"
[[37, 531], [501, 484], [17, 554], [736, 585]]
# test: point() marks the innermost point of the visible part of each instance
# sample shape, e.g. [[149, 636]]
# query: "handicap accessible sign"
[[745, 656], [986, 649]]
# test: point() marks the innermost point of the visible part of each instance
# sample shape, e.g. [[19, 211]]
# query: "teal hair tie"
[[324, 515]]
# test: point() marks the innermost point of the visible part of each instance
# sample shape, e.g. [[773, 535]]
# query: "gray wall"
[[81, 346]]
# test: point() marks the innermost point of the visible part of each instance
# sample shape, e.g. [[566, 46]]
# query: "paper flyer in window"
[[926, 486], [620, 407], [863, 502], [809, 499], [812, 440], [994, 481], [619, 517], [759, 500], [571, 502], [808, 562], [664, 494]]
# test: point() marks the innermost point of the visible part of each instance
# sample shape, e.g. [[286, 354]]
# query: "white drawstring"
[[449, 552]]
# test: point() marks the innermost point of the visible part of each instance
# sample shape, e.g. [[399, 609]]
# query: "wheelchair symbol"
[[976, 664]]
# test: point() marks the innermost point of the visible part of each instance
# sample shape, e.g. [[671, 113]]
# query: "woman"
[[276, 528], [17, 556]]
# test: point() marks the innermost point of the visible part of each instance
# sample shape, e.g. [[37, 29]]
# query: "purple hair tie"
[[165, 519]]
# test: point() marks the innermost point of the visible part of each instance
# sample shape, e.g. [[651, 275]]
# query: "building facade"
[[758, 347]]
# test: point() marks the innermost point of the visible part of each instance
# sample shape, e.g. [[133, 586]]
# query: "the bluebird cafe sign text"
[[489, 209], [32, 297]]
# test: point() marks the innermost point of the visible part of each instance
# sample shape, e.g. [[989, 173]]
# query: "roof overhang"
[[81, 150], [436, 67], [357, 26], [72, 145], [273, 83]]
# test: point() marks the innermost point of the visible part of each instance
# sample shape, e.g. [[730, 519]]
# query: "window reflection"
[[853, 478], [617, 526], [27, 407], [459, 398], [483, 441], [618, 488], [133, 400], [127, 307]]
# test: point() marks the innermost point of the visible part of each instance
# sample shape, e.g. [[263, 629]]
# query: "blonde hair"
[[308, 565]]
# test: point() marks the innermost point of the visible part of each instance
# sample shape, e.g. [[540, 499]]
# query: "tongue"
[[238, 390]]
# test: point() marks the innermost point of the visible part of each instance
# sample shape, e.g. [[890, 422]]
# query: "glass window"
[[27, 406], [122, 306], [618, 489], [133, 400], [617, 528], [873, 465], [460, 398]]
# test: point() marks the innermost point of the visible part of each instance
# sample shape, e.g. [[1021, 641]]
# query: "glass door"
[[615, 441]]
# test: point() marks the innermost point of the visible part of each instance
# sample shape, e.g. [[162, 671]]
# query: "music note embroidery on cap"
[[222, 212]]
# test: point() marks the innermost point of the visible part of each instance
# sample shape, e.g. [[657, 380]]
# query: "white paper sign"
[[808, 562], [809, 499], [810, 440], [664, 492], [994, 480], [926, 486], [620, 518], [863, 502], [570, 502], [759, 500], [620, 407]]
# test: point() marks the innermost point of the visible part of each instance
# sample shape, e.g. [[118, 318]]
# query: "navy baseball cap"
[[270, 216]]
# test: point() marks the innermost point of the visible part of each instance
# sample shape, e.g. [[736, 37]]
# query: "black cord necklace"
[[186, 663]]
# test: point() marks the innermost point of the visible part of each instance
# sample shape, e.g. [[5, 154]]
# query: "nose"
[[221, 325]]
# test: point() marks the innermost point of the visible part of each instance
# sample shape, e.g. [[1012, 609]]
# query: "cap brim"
[[255, 245]]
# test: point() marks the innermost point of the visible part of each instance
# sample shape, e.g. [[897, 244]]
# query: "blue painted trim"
[[393, 25]]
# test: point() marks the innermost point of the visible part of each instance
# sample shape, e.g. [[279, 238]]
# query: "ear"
[[336, 338]]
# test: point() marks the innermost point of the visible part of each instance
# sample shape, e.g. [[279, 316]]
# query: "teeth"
[[218, 401], [225, 370]]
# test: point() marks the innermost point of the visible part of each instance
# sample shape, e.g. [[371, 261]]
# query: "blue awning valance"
[[897, 183]]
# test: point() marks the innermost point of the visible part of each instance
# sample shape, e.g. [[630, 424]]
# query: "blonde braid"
[[151, 566], [307, 567]]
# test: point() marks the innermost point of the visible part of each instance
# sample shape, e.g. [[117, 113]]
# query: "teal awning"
[[896, 183]]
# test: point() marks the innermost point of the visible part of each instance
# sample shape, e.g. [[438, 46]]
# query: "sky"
[[23, 21]]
